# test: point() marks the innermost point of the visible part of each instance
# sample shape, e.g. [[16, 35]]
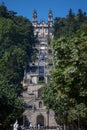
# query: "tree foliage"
[[68, 25], [66, 93], [16, 41]]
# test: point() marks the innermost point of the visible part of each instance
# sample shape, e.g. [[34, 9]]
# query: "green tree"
[[16, 41], [67, 92], [11, 107], [59, 27], [68, 25], [3, 11]]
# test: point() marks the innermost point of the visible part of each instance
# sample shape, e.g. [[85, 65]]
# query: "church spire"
[[50, 17], [34, 16]]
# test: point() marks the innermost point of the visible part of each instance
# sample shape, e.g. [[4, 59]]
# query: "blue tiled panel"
[[42, 51], [41, 57], [41, 70], [41, 63]]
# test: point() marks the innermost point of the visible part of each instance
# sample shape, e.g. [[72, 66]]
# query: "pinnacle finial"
[[34, 16], [50, 14]]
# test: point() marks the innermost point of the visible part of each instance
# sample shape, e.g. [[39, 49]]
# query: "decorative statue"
[[30, 125], [38, 126], [15, 125]]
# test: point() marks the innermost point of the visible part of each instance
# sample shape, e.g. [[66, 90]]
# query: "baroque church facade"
[[42, 29]]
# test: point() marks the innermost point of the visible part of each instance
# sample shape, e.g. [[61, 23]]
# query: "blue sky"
[[60, 8]]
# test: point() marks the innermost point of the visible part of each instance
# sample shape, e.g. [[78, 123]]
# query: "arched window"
[[40, 104], [40, 120]]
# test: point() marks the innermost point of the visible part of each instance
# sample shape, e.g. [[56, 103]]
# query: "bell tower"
[[34, 17], [50, 18]]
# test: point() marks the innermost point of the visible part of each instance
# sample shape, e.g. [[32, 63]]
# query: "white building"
[[43, 29]]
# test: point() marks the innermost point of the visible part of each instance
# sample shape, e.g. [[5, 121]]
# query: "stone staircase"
[[36, 112]]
